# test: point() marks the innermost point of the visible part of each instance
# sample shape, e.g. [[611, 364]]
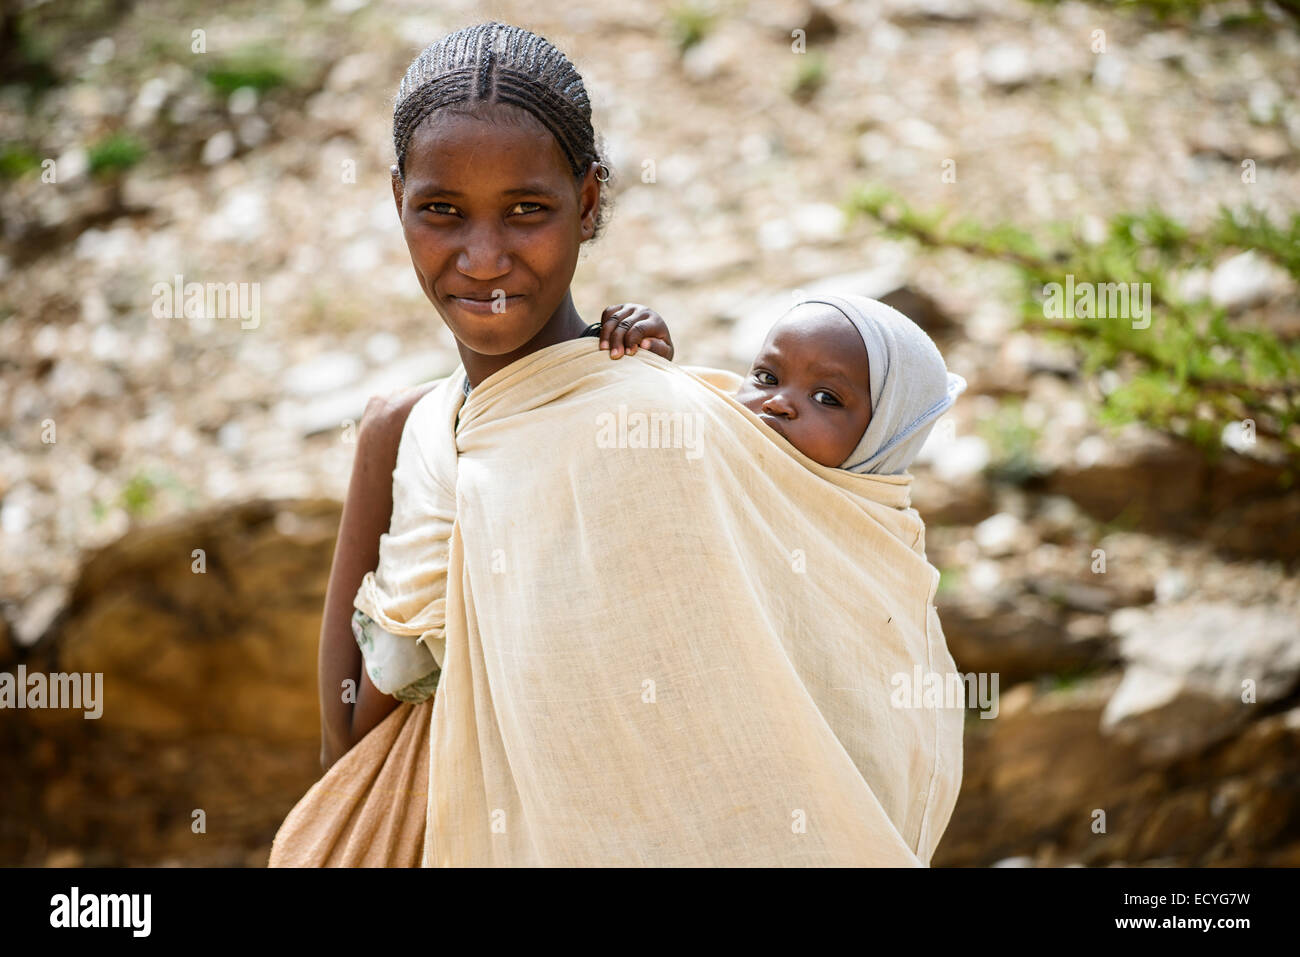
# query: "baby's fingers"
[[623, 335], [648, 333], [658, 346], [611, 333]]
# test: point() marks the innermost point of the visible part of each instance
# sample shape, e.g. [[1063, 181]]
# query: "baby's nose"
[[777, 404]]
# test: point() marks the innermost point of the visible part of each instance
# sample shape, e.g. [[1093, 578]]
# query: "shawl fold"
[[667, 636]]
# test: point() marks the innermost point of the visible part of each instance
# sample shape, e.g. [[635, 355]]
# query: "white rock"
[[187, 108], [47, 342], [101, 51], [874, 147], [1108, 380], [15, 512], [361, 255], [915, 132], [776, 234], [71, 165], [242, 101], [106, 344], [1194, 284], [1090, 450], [755, 147], [241, 216], [94, 307], [219, 148], [984, 576], [383, 347], [1235, 437], [1171, 586], [998, 534], [107, 247], [324, 373], [327, 413], [253, 131], [1108, 70], [1265, 96], [38, 613], [886, 37], [712, 56], [1188, 668], [1245, 280], [153, 93], [1006, 65], [183, 442], [351, 71], [954, 459], [231, 437], [753, 316], [818, 221]]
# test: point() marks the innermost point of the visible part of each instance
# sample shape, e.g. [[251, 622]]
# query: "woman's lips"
[[484, 307]]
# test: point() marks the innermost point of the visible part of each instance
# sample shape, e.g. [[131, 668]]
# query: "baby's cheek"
[[748, 399]]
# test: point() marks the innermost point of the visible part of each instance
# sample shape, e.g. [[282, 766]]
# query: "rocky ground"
[[1121, 586]]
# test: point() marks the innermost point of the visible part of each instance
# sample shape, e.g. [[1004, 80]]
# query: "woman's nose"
[[777, 404], [483, 256]]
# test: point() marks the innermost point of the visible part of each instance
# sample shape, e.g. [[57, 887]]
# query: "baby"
[[848, 381]]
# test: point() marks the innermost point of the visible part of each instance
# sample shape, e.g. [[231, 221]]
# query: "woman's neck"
[[564, 324]]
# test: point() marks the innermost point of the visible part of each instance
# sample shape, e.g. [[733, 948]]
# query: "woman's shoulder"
[[387, 416]]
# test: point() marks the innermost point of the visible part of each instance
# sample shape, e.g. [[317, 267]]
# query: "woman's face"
[[810, 383], [493, 219]]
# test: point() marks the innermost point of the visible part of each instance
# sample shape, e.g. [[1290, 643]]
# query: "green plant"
[[1068, 679], [689, 23], [139, 496], [1187, 370], [809, 76], [261, 68], [1012, 443], [17, 160], [115, 154], [1248, 14], [949, 579]]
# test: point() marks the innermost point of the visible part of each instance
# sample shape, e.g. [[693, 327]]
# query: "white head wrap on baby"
[[910, 385]]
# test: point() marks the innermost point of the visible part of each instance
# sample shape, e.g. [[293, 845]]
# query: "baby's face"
[[810, 383]]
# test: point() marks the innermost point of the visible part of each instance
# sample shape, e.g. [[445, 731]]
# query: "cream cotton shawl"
[[666, 636]]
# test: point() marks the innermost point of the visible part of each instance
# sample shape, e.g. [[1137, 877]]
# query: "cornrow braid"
[[495, 62]]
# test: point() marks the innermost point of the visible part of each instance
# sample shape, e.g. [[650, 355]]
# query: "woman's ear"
[[398, 189], [589, 201]]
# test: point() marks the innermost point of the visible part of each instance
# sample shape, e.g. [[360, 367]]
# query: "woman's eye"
[[829, 395], [450, 210]]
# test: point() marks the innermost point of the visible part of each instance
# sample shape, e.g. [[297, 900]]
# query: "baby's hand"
[[623, 328]]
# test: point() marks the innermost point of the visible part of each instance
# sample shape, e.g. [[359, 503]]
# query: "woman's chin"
[[491, 342]]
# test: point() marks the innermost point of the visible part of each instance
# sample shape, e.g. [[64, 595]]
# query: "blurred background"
[[1112, 505]]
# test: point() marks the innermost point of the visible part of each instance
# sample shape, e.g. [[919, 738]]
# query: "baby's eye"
[[829, 395], [759, 373]]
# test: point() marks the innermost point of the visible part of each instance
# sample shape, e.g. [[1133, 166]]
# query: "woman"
[[732, 718], [494, 236]]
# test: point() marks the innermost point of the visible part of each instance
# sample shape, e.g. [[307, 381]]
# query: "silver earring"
[[601, 167]]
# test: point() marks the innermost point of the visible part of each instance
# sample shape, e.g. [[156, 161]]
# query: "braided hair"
[[497, 63]]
